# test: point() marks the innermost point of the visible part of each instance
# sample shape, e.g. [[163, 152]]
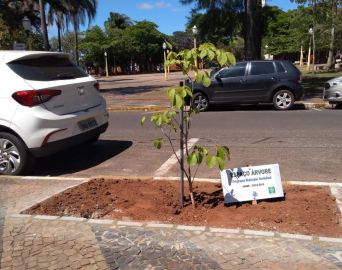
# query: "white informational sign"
[[251, 183], [19, 46]]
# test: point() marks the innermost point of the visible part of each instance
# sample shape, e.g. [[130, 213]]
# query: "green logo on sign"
[[271, 190]]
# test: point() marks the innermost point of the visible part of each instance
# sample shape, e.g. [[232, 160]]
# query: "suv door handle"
[[273, 78]]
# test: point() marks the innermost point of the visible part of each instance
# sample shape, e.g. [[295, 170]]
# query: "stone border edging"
[[198, 229]]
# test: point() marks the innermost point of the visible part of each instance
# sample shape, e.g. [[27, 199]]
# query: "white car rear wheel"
[[14, 156]]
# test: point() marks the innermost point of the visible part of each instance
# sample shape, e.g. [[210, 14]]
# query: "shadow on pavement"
[[79, 158], [132, 89], [252, 107], [117, 80]]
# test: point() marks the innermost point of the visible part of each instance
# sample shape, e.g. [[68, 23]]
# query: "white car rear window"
[[47, 68]]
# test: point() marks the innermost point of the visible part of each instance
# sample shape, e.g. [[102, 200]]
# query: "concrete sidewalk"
[[45, 242]]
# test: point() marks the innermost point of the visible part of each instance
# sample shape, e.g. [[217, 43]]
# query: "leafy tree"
[[325, 15], [94, 44], [182, 40], [170, 125], [143, 43], [67, 41]]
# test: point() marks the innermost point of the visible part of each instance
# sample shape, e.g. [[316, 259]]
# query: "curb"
[[113, 224], [155, 108]]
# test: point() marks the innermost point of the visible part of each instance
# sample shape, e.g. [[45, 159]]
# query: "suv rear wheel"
[[14, 156], [283, 100]]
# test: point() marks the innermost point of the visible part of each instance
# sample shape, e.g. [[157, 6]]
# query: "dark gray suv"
[[252, 82]]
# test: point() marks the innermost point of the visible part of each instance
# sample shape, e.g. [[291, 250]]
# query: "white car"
[[333, 91], [47, 104]]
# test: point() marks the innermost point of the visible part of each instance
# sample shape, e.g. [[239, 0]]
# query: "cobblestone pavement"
[[43, 242]]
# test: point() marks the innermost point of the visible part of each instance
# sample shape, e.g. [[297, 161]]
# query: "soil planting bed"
[[305, 210]]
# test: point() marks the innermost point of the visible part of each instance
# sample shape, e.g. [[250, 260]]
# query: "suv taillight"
[[32, 98], [97, 86], [299, 77]]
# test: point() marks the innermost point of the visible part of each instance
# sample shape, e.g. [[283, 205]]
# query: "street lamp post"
[[309, 55], [266, 52], [301, 54], [194, 32], [165, 69], [28, 27], [105, 54], [312, 33]]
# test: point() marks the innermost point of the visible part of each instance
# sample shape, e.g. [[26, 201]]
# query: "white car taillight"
[[32, 98]]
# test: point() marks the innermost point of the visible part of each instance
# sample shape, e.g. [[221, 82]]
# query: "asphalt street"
[[306, 143]]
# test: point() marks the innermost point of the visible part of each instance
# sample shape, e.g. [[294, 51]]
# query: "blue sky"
[[169, 15]]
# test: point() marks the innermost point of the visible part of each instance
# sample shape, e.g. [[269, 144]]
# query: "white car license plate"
[[87, 124]]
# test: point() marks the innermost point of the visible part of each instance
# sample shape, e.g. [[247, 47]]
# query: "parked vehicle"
[[252, 82], [333, 91], [47, 104]]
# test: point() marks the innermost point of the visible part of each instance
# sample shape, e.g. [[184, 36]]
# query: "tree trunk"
[[59, 35], [75, 22], [191, 192], [330, 62], [253, 29], [43, 24]]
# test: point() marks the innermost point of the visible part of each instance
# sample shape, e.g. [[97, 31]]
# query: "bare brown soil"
[[305, 209]]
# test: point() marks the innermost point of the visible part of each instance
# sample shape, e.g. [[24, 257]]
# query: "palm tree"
[[43, 24], [80, 11], [117, 20], [57, 14], [252, 22]]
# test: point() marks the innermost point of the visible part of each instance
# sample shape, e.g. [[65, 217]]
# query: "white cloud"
[[163, 5], [149, 6], [145, 6]]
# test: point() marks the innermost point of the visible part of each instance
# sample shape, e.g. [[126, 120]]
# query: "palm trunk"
[[59, 35], [43, 24], [253, 30], [76, 38], [330, 62]]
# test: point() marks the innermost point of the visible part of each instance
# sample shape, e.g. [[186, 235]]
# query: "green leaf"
[[188, 90], [206, 81], [188, 55], [222, 59], [199, 76], [221, 163], [159, 121], [211, 161], [171, 93], [211, 55], [192, 159], [169, 45], [231, 58], [158, 143], [203, 54], [178, 101], [142, 121], [181, 91], [221, 152]]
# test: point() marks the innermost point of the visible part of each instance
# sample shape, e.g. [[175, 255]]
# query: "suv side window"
[[280, 67], [234, 71], [260, 68]]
